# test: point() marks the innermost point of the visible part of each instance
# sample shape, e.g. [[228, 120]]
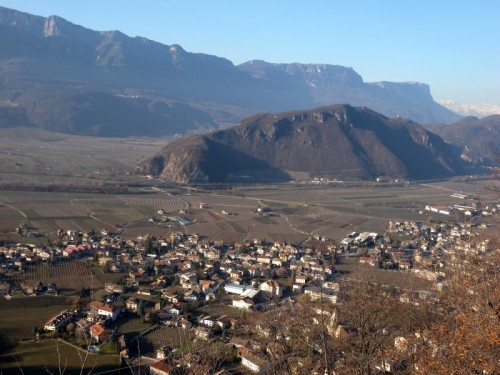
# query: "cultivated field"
[[54, 357], [70, 277], [167, 203], [297, 211], [161, 336], [20, 315], [106, 277], [218, 310], [131, 326], [47, 211], [27, 154]]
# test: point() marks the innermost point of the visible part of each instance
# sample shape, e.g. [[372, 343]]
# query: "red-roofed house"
[[208, 286], [75, 250], [95, 306], [161, 368], [98, 333]]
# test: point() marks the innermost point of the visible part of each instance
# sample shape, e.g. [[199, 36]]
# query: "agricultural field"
[[218, 310], [20, 315], [297, 211], [30, 153], [54, 357], [161, 336], [70, 277], [48, 211], [167, 203], [106, 277], [131, 326]]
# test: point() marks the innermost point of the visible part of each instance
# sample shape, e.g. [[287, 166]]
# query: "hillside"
[[478, 139], [72, 79], [338, 141]]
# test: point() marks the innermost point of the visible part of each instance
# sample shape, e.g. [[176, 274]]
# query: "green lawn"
[[131, 325]]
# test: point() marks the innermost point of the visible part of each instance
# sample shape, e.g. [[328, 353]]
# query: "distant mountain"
[[478, 140], [68, 78], [338, 141], [329, 84], [477, 110]]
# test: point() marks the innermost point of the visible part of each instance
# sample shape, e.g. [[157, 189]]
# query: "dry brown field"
[[298, 211], [27, 153], [70, 276]]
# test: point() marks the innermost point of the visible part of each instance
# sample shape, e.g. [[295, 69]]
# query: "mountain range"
[[337, 141], [60, 76], [476, 140], [476, 110]]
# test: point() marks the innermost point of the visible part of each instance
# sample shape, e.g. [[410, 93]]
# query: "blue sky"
[[453, 45]]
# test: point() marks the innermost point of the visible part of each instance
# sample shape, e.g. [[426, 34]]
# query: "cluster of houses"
[[180, 273], [414, 246], [60, 321], [422, 248], [185, 272], [471, 207]]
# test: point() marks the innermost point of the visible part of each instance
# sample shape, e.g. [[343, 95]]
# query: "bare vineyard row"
[[69, 277], [164, 202]]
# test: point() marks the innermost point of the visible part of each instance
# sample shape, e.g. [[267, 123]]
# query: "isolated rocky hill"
[[60, 76], [337, 141], [478, 140]]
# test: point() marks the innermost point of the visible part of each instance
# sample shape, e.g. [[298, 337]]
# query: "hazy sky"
[[453, 45]]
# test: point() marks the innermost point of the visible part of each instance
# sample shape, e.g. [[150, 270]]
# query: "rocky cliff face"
[[327, 84], [337, 142], [51, 55]]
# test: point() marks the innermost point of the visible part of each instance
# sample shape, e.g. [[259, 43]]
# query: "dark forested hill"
[[338, 141]]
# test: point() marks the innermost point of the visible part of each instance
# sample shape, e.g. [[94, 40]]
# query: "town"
[[202, 303]]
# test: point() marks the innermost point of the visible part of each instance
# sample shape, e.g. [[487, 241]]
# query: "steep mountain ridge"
[[338, 141], [51, 55], [478, 140]]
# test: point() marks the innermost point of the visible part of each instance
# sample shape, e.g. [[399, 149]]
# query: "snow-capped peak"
[[478, 110]]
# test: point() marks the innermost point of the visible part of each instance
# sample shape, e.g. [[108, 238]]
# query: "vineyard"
[[168, 203], [159, 337], [15, 326], [54, 357], [69, 277]]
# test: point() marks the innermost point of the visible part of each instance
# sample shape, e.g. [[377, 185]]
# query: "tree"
[[295, 338], [465, 339], [84, 292], [370, 318], [148, 245], [70, 328]]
